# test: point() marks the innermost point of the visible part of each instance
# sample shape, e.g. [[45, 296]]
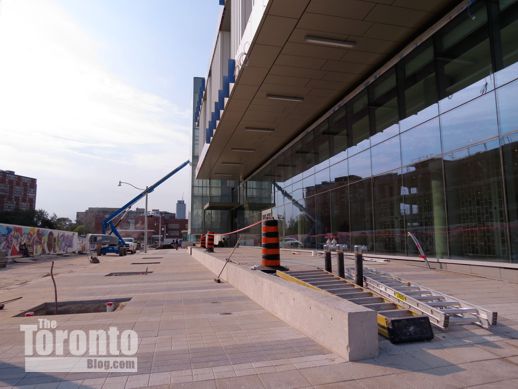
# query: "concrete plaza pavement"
[[195, 333]]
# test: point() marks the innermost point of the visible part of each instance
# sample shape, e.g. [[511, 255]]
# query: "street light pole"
[[145, 225], [145, 216]]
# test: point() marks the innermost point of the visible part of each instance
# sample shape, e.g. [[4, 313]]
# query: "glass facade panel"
[[358, 112], [386, 156], [360, 166], [384, 107], [360, 195], [339, 135], [419, 87], [339, 198], [464, 58], [470, 123], [388, 216], [510, 153], [421, 142], [508, 22], [507, 97], [424, 207], [475, 203], [430, 148], [323, 219]]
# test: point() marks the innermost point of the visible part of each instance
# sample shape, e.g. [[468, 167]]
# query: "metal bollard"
[[341, 267], [327, 259], [359, 264]]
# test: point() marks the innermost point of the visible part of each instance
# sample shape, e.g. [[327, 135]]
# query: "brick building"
[[133, 222], [16, 192]]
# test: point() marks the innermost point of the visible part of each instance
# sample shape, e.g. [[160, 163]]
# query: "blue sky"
[[97, 91], [156, 45]]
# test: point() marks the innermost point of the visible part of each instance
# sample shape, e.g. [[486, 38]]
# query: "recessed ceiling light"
[[320, 40], [223, 174], [285, 98], [231, 163], [259, 129], [241, 150]]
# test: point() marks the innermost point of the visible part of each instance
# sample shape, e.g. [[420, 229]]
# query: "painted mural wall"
[[39, 241]]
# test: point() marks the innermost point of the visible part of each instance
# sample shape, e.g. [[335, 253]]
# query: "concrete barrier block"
[[345, 328]]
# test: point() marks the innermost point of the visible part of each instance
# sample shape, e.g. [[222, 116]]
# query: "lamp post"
[[145, 212]]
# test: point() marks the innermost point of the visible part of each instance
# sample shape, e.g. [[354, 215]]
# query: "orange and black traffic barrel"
[[210, 242], [270, 244], [202, 241]]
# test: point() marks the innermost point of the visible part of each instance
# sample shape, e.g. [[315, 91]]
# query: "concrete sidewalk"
[[196, 333]]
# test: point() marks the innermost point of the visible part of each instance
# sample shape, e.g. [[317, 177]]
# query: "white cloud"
[[67, 121]]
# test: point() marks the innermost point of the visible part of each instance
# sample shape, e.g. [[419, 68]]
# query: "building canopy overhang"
[[305, 56]]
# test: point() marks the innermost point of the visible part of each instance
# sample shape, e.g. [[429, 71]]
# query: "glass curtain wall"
[[429, 147]]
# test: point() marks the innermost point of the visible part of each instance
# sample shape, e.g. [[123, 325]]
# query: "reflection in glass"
[[340, 226], [475, 205], [360, 195], [360, 166], [469, 123], [464, 58], [338, 170], [384, 107], [323, 218], [508, 22], [507, 97], [510, 153], [386, 156], [424, 207], [388, 218], [420, 87], [421, 142], [339, 135], [360, 127]]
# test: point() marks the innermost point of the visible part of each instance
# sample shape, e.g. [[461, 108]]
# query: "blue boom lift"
[[109, 224]]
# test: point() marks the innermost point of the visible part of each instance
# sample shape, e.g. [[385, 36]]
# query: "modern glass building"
[[421, 136]]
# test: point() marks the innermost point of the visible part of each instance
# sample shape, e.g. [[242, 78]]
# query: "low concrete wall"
[[346, 329]]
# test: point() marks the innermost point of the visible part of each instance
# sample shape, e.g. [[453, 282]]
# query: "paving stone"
[[245, 382], [176, 314], [286, 379]]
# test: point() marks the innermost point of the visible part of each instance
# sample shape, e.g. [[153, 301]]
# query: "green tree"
[[81, 229]]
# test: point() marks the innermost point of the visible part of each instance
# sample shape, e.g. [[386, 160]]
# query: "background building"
[[93, 218], [16, 192], [132, 225], [181, 209], [367, 121]]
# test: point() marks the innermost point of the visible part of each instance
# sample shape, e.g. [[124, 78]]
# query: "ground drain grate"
[[152, 257], [226, 313], [128, 273], [75, 307], [145, 263]]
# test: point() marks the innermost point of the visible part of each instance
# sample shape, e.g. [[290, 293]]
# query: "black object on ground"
[[129, 273], [74, 307]]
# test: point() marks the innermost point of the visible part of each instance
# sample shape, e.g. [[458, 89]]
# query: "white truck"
[[131, 245]]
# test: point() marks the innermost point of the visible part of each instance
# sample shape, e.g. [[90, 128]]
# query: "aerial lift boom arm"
[[108, 222]]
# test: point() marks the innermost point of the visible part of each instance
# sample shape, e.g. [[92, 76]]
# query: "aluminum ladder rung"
[[449, 307], [438, 304], [406, 289], [347, 296], [381, 306], [418, 293], [396, 313], [366, 300], [426, 299], [458, 311], [327, 283]]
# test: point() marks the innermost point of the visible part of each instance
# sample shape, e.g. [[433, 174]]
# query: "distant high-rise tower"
[[180, 209]]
